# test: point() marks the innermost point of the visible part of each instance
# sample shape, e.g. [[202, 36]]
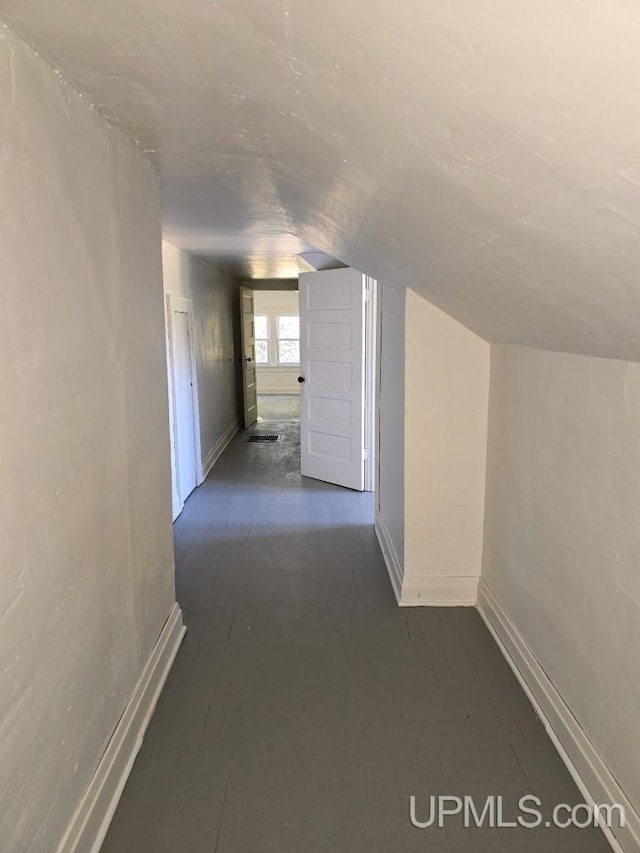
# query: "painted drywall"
[[390, 486], [86, 551], [282, 301], [271, 283], [562, 539], [434, 397], [446, 406], [277, 380], [216, 308]]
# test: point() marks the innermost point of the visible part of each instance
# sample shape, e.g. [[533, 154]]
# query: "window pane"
[[289, 352], [260, 326], [288, 327], [262, 352]]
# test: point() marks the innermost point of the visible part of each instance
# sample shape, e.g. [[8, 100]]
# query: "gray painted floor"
[[278, 407], [305, 707]]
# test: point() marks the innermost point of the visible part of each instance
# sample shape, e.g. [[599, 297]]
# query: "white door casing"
[[186, 438], [332, 366], [248, 357], [371, 371]]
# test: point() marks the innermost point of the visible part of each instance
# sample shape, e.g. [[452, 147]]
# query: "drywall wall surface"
[[392, 416], [86, 553], [477, 163], [446, 404], [278, 380], [266, 284], [215, 299], [278, 301], [562, 538]]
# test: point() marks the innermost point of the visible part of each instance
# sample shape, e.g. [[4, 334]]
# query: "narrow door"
[[249, 384], [185, 426], [332, 376]]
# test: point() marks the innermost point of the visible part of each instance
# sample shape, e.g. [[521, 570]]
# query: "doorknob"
[[248, 358], [301, 379]]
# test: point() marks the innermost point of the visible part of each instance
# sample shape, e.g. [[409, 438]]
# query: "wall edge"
[[217, 450], [389, 554], [90, 823]]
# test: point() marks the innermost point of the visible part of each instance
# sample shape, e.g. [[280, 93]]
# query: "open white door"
[[332, 374], [249, 385]]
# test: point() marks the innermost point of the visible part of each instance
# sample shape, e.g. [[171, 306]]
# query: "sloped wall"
[[86, 552]]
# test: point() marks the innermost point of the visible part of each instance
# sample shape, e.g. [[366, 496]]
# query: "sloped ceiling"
[[484, 152]]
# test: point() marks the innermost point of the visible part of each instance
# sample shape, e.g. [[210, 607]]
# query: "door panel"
[[332, 364], [249, 380], [183, 389]]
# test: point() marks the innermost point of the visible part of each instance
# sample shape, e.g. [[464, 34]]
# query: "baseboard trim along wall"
[[90, 823], [390, 555], [217, 450], [439, 591], [590, 773]]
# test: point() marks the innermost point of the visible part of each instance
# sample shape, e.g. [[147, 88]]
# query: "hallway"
[[305, 707]]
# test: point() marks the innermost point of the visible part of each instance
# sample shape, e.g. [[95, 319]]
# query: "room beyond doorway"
[[324, 346], [278, 407]]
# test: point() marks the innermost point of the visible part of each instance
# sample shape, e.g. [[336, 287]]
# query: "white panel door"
[[185, 426], [248, 335], [332, 370]]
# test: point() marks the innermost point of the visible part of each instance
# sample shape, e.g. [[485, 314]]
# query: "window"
[[261, 331], [288, 340], [277, 339]]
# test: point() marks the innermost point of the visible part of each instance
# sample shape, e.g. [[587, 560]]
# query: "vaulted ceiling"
[[484, 152]]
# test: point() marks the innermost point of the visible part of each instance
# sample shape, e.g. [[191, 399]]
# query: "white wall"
[[390, 485], [86, 553], [433, 447], [446, 404], [562, 536], [215, 299], [277, 380]]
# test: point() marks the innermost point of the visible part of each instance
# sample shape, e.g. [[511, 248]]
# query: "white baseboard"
[[217, 450], [424, 590], [590, 773], [390, 555], [439, 591], [90, 823]]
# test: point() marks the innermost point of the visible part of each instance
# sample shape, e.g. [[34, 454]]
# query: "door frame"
[[371, 371], [244, 358], [182, 305]]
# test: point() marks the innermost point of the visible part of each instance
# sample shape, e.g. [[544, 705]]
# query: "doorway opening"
[[184, 419], [277, 346], [309, 358]]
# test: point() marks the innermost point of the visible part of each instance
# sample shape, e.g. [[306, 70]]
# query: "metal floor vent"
[[264, 438]]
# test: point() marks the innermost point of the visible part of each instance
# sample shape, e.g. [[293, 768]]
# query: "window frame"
[[273, 340], [266, 363], [277, 317]]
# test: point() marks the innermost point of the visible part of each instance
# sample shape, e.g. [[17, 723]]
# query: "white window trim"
[[272, 340]]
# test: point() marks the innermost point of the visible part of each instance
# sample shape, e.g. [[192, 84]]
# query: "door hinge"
[[366, 453]]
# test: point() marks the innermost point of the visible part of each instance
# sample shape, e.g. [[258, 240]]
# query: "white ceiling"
[[484, 152]]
